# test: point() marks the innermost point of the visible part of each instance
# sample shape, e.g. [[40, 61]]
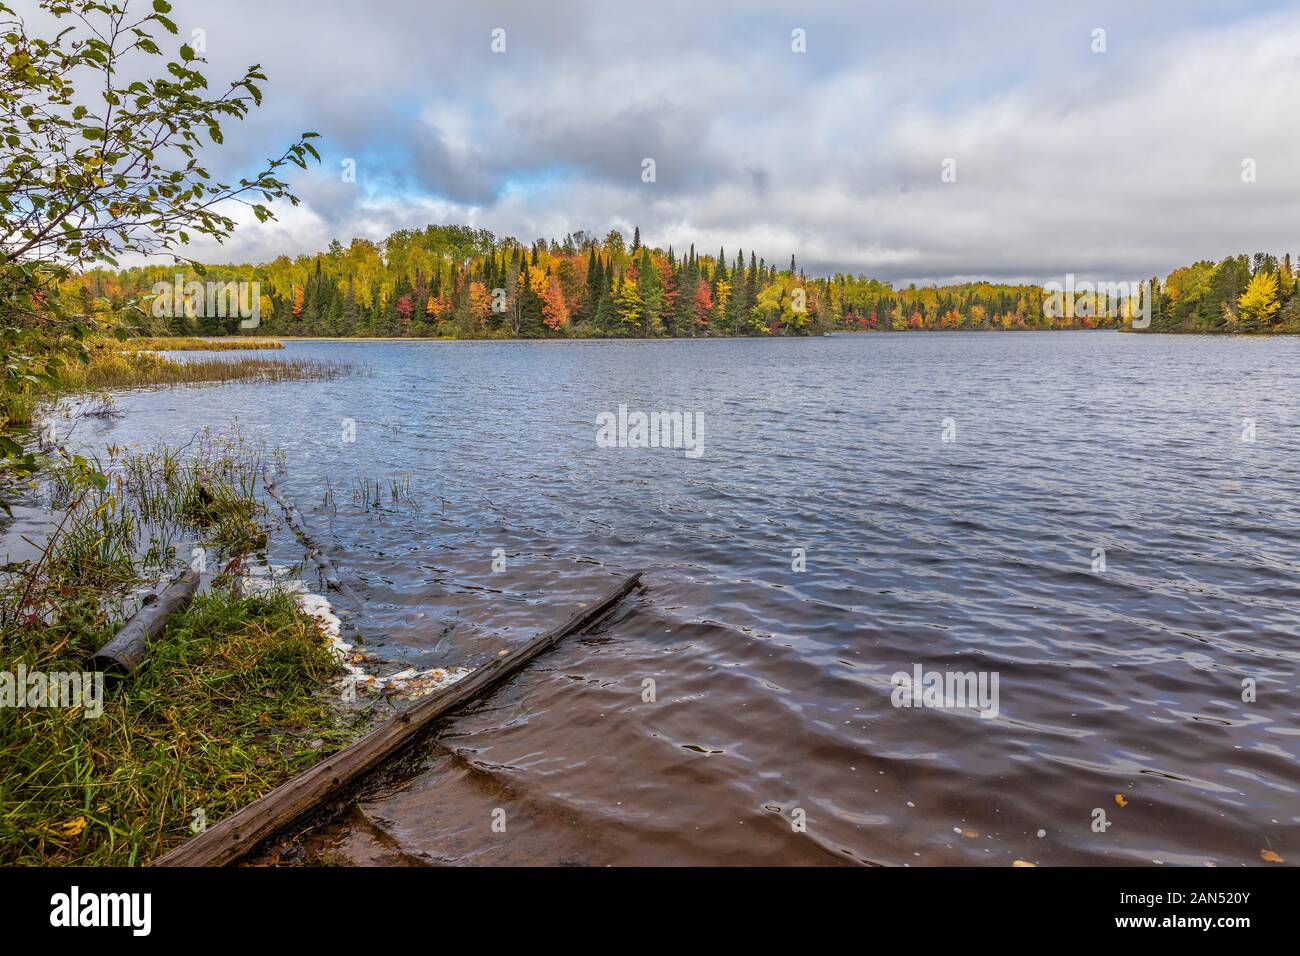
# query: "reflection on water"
[[771, 693]]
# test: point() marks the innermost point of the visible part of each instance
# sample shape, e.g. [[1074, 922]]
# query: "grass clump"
[[226, 707], [209, 486], [128, 518]]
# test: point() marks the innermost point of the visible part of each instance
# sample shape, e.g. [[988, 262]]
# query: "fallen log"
[[126, 651], [241, 832], [314, 551]]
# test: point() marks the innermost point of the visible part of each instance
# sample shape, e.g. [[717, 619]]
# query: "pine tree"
[[605, 314], [652, 295], [595, 281]]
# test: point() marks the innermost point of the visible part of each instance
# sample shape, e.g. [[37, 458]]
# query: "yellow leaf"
[[1022, 863], [1119, 798], [73, 827], [1270, 857]]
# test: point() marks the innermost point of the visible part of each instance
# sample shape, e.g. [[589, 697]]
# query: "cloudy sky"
[[1121, 163]]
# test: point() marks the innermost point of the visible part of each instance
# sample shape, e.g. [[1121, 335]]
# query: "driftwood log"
[[314, 551], [126, 651], [241, 832]]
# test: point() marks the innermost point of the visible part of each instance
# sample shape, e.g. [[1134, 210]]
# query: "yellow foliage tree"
[[723, 294], [1259, 302]]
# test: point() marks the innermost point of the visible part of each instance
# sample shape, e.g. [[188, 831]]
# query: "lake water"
[[772, 736]]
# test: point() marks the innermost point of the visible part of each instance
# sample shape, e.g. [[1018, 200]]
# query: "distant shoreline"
[[766, 338], [657, 338]]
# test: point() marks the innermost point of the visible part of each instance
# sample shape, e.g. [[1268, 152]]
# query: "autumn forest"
[[454, 281]]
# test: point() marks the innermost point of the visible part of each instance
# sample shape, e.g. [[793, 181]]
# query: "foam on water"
[[408, 684]]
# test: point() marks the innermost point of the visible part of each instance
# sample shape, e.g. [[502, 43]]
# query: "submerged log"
[[314, 551], [243, 831], [126, 651]]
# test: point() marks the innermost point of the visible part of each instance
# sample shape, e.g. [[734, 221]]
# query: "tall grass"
[[193, 343], [226, 708], [228, 703], [133, 370], [19, 409], [110, 368], [127, 522]]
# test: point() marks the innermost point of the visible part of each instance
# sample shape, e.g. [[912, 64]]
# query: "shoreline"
[[255, 671], [764, 338], [661, 338]]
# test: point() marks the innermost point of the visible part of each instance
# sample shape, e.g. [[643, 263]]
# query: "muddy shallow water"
[[771, 736]]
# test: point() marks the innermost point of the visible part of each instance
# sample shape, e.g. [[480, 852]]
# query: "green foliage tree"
[[93, 166]]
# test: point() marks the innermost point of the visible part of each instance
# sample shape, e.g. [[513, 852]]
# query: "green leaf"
[[162, 6]]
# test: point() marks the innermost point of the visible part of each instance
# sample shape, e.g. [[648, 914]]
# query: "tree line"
[[460, 282], [1249, 294]]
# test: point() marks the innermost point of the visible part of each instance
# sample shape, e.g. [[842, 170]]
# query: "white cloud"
[[1126, 162]]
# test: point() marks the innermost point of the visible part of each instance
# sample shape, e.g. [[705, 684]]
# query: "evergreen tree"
[[595, 280], [606, 317], [652, 296]]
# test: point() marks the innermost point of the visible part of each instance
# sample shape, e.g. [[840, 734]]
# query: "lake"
[[1107, 524]]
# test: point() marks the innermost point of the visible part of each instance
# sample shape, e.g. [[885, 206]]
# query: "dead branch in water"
[[314, 551]]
